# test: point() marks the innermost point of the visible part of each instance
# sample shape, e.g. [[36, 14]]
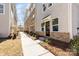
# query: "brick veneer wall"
[[62, 36]]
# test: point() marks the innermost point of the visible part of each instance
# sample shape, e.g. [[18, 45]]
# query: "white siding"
[[39, 16], [4, 22], [75, 18], [58, 10], [67, 14]]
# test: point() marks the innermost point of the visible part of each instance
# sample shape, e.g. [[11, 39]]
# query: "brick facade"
[[62, 36]]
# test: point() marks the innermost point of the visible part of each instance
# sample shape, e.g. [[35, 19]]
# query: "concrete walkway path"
[[32, 48]]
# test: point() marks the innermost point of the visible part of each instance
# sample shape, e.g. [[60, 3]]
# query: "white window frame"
[[3, 9]]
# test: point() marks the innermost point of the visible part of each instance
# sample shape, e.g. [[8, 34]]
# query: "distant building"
[[20, 28], [29, 24]]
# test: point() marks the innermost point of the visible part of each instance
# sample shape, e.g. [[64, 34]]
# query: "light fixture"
[[78, 30]]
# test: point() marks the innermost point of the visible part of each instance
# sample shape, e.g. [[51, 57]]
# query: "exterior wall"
[[13, 16], [41, 33], [62, 36], [4, 22], [60, 11], [30, 20], [67, 14], [57, 10], [25, 19], [29, 24], [39, 16], [75, 18], [7, 20], [26, 25]]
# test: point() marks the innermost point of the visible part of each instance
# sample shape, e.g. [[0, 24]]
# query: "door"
[[47, 28]]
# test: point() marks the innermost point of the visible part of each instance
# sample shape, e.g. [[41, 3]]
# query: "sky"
[[21, 8]]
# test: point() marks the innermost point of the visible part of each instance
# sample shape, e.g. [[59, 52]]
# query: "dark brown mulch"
[[58, 48], [60, 44]]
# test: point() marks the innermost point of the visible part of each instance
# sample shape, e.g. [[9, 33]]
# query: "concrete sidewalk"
[[32, 48]]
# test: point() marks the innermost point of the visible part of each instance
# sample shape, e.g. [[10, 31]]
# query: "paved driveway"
[[32, 48]]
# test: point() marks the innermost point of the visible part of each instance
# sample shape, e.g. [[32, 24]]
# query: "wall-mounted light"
[[78, 30]]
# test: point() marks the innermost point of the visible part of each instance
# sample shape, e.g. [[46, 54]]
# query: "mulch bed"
[[58, 49]]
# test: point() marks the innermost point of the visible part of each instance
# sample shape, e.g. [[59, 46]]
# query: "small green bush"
[[75, 44], [47, 40], [30, 33]]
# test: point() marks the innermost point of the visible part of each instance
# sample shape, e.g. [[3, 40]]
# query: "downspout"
[[70, 20]]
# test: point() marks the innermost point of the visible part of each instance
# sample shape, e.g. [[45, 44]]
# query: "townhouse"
[[29, 24], [7, 19], [13, 23], [57, 20]]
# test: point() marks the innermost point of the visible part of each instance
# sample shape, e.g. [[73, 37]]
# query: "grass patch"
[[11, 47]]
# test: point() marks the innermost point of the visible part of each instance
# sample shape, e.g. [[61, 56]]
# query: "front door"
[[47, 28]]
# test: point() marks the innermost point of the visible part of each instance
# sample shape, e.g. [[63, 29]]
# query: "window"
[[1, 8], [55, 24], [55, 21], [55, 28], [44, 7], [42, 25], [50, 4]]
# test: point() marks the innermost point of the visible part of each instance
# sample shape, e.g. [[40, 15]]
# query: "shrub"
[[34, 34], [47, 40], [12, 35], [37, 35], [75, 44], [31, 33], [26, 32]]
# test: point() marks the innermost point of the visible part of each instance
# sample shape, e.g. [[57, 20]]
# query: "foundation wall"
[[62, 36]]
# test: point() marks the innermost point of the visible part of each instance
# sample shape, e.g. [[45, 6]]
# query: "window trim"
[[55, 25], [53, 20], [3, 9]]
